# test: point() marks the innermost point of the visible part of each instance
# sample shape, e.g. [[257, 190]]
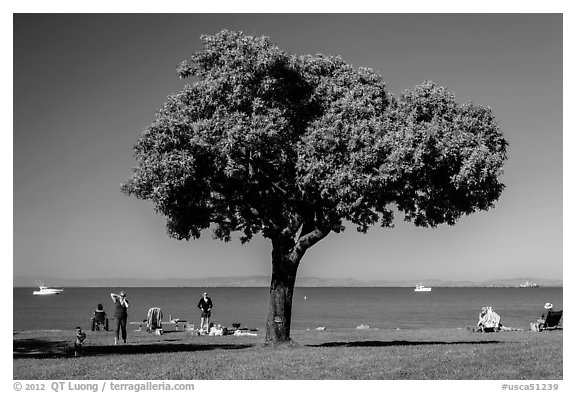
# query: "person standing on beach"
[[205, 306], [121, 314]]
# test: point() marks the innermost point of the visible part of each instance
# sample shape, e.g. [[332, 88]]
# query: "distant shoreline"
[[297, 286], [264, 281]]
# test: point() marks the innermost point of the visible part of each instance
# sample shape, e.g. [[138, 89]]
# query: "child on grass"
[[80, 337]]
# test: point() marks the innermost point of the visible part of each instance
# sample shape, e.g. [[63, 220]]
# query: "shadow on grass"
[[42, 349], [398, 343]]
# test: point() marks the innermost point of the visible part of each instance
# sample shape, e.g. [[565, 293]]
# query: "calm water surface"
[[334, 308]]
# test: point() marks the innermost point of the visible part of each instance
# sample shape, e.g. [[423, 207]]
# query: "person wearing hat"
[[548, 307], [205, 306], [121, 314]]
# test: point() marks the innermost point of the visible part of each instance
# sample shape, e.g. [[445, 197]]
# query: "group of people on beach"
[[100, 320], [489, 320]]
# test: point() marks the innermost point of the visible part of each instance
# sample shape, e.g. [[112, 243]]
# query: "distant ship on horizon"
[[422, 288], [528, 284]]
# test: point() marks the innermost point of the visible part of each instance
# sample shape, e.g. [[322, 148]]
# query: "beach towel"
[[243, 333], [154, 320]]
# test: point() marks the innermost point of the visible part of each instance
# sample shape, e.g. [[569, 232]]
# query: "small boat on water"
[[44, 290], [422, 288]]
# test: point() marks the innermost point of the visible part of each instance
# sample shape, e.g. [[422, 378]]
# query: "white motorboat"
[[44, 290], [422, 288]]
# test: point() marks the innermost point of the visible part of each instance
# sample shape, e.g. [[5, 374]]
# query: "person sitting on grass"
[[80, 337], [488, 321]]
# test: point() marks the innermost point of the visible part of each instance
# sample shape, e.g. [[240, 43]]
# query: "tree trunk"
[[286, 256], [284, 266]]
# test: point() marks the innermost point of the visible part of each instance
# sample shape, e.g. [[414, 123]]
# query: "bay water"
[[332, 308]]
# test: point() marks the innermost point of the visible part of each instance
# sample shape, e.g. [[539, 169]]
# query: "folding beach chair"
[[551, 322], [99, 320], [154, 320]]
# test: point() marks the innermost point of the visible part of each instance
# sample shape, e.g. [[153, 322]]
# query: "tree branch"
[[292, 228], [306, 241]]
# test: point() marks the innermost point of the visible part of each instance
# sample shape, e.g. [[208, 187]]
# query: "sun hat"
[[548, 306]]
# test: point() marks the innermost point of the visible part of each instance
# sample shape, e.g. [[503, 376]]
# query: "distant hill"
[[264, 281]]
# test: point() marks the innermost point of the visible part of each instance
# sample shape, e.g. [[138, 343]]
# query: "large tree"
[[293, 147]]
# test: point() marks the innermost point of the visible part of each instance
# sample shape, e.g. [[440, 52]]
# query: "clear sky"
[[86, 85]]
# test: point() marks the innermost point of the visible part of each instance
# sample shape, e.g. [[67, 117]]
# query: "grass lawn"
[[437, 354]]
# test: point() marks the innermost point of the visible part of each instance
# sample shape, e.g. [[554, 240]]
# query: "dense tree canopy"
[[293, 147], [262, 139]]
